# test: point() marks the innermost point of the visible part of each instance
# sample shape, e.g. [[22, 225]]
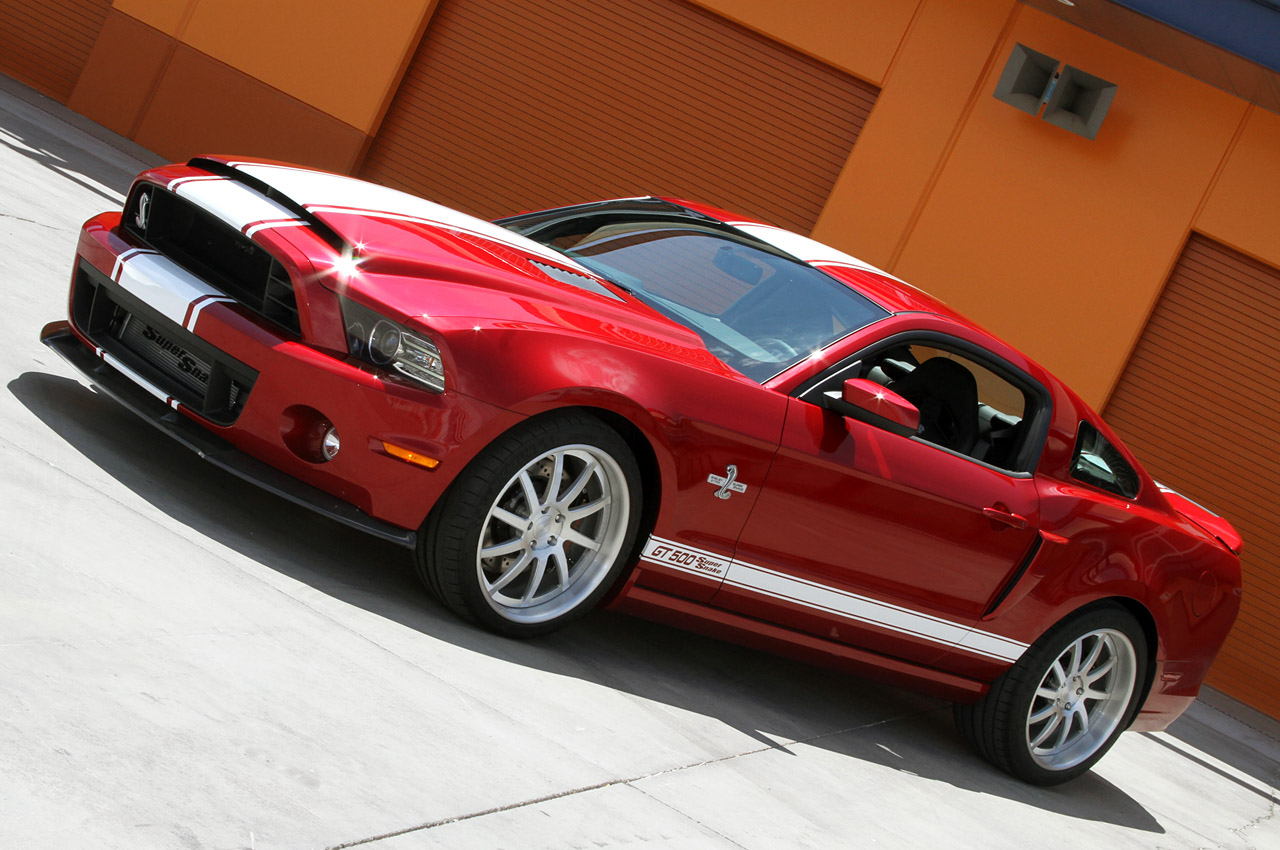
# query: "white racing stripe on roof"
[[804, 248], [236, 204], [336, 194]]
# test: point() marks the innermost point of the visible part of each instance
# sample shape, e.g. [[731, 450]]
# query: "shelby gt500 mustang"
[[675, 411]]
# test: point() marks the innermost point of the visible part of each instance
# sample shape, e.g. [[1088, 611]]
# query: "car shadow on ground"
[[771, 699]]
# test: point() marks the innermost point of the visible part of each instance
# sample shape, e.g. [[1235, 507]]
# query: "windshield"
[[756, 309]]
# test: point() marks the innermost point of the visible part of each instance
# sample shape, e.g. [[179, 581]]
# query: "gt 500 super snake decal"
[[830, 600]]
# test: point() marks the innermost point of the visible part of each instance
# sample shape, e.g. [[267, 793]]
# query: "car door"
[[896, 544]]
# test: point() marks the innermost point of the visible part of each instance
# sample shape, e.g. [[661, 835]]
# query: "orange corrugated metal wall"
[[45, 44], [1199, 403], [512, 105]]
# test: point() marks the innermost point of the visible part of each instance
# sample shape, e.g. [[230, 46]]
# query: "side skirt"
[[726, 625]]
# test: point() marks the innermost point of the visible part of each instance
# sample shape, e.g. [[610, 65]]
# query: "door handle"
[[1006, 517]]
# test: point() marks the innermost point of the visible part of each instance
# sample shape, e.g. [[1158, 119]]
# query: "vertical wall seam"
[[1123, 363], [945, 157], [175, 40], [393, 89]]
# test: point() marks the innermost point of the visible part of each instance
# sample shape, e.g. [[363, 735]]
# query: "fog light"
[[330, 444], [309, 434]]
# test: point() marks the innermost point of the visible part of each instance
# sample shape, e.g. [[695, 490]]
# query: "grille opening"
[[214, 251], [171, 358]]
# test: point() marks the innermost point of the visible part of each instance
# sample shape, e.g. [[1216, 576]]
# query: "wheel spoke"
[[1047, 693], [1064, 730], [515, 544], [1044, 714], [573, 535], [580, 483], [1047, 730], [1081, 713], [557, 472], [1057, 670], [562, 566], [1090, 678], [584, 511], [530, 494], [1077, 649], [512, 572], [1090, 693], [514, 520], [539, 570], [1098, 646]]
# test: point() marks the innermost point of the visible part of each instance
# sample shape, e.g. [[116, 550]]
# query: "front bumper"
[[110, 380], [252, 385]]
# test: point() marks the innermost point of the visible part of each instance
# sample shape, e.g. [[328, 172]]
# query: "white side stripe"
[[819, 597]]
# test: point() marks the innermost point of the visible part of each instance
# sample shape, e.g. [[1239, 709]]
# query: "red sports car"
[[678, 412]]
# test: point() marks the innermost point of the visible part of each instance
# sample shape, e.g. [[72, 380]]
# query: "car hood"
[[435, 266]]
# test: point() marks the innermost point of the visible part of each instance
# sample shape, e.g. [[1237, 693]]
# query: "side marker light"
[[409, 456]]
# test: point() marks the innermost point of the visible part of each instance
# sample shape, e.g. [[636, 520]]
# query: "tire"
[[1031, 723], [508, 551]]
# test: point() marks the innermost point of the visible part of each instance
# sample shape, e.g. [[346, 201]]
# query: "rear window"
[[1097, 462]]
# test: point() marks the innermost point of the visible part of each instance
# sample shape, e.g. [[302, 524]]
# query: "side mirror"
[[881, 406]]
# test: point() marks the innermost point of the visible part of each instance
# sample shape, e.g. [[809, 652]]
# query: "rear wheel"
[[534, 532], [1058, 710]]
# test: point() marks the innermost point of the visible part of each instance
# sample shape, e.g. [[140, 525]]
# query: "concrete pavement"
[[187, 662]]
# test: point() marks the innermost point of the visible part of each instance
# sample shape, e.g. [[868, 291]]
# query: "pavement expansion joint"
[[612, 782], [38, 223], [700, 824]]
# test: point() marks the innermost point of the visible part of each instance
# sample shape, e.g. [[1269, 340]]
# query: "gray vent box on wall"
[[1079, 102], [1026, 79], [1072, 99]]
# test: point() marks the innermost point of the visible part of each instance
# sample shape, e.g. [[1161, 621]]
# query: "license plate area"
[[197, 375]]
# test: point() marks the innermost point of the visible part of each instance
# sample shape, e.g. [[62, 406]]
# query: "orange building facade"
[[1140, 265]]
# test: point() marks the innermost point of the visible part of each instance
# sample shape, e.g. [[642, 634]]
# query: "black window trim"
[[1075, 455], [1037, 433]]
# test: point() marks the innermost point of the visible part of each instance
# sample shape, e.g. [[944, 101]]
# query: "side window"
[[966, 405], [1097, 462]]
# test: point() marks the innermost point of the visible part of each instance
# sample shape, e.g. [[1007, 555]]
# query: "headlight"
[[390, 345]]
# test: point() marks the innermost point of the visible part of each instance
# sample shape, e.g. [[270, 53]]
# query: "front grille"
[[213, 251], [171, 358]]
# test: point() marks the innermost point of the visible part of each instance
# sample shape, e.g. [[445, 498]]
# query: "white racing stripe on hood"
[[236, 204], [336, 194], [162, 284]]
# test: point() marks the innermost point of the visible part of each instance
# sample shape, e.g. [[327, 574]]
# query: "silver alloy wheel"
[[553, 534], [1082, 699]]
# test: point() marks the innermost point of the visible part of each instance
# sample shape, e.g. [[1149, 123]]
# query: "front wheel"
[[535, 531], [1058, 710]]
